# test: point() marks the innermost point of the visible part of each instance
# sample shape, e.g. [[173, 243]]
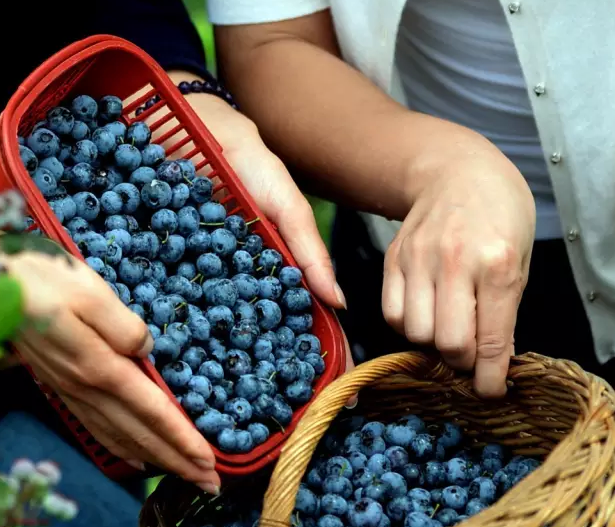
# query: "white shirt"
[[566, 50], [457, 61]]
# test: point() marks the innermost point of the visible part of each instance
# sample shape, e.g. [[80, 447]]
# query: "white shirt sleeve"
[[234, 12]]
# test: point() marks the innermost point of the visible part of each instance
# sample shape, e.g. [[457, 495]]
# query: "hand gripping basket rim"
[[13, 170]]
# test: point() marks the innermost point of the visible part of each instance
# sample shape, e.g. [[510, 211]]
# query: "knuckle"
[[415, 246], [491, 346], [417, 334], [451, 249], [136, 334], [66, 385], [500, 259]]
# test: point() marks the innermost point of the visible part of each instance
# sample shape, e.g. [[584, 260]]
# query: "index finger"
[[496, 314]]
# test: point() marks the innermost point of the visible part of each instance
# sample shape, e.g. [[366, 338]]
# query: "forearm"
[[347, 138]]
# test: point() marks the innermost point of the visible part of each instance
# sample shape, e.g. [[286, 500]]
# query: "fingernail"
[[210, 488], [148, 346], [340, 296], [134, 463], [353, 404], [205, 464]]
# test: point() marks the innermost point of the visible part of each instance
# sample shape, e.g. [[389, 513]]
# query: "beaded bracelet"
[[211, 87]]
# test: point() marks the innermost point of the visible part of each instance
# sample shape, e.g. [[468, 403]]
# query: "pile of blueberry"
[[404, 474], [232, 324]]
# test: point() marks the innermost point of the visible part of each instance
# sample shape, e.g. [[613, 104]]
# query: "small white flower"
[[51, 471], [22, 469], [59, 507]]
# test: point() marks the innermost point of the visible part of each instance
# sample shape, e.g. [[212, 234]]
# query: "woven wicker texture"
[[553, 410]]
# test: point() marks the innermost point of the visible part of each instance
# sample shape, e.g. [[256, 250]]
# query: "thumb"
[[297, 226]]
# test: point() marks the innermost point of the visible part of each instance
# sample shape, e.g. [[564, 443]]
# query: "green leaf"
[[11, 307]]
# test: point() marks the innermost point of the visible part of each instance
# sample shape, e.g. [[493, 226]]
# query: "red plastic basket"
[[103, 65]]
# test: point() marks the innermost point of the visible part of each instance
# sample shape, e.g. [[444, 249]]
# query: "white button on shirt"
[[566, 50]]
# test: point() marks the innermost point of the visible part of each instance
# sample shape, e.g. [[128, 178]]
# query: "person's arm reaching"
[[455, 272]]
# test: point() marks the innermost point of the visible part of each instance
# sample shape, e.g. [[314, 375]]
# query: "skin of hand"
[[85, 354], [272, 188], [456, 270]]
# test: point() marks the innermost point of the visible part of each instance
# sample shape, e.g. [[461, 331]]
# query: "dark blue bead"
[[184, 87], [196, 86], [140, 110]]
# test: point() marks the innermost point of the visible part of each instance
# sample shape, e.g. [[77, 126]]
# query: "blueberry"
[[263, 407], [422, 447], [296, 300], [209, 265], [127, 157], [124, 293], [145, 244], [269, 314], [378, 464], [262, 349], [270, 287], [181, 334], [201, 189], [240, 409], [290, 277], [188, 169], [269, 261], [286, 337], [248, 387], [111, 203], [130, 195], [212, 422], [337, 485], [164, 221], [238, 363], [121, 236], [365, 513], [417, 519], [474, 507], [357, 460], [281, 411], [79, 132], [243, 335], [28, 158], [457, 472], [373, 429], [138, 134], [316, 361], [223, 243], [144, 294], [259, 433], [492, 465], [176, 374], [199, 326], [245, 443], [236, 225], [414, 422], [398, 508], [113, 254], [159, 271], [44, 181], [81, 176], [199, 242], [201, 385], [375, 445], [212, 370], [172, 249], [219, 397], [221, 319], [397, 456], [338, 466], [212, 213], [328, 520], [493, 451], [44, 143], [60, 120], [483, 489], [110, 108], [187, 270], [264, 370], [181, 193], [194, 356], [298, 392], [84, 151], [242, 262], [188, 220], [227, 440], [447, 517], [84, 107], [306, 372], [247, 286], [455, 497], [142, 176], [53, 165], [253, 244], [333, 504], [138, 310], [299, 323], [306, 502], [152, 155], [193, 403], [118, 129], [162, 311], [104, 140]]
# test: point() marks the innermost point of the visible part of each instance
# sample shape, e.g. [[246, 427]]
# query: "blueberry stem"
[[179, 306], [166, 238], [196, 278], [259, 268], [253, 300], [435, 510], [253, 221], [255, 257], [188, 181], [324, 354], [164, 329], [213, 224], [272, 376], [272, 270], [279, 424]]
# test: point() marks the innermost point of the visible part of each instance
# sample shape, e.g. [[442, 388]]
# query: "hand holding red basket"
[[103, 65]]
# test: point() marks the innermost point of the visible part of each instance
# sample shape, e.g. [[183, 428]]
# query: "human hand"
[[85, 355], [456, 270], [272, 188]]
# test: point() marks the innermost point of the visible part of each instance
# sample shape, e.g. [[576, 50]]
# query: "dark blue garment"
[[101, 502]]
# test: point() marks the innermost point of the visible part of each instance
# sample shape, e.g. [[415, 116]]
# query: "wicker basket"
[[553, 410]]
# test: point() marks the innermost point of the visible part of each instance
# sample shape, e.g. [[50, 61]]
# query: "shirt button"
[[573, 235], [591, 296], [514, 7], [540, 89], [556, 157]]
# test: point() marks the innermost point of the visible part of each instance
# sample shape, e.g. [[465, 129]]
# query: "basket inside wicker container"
[[553, 410]]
